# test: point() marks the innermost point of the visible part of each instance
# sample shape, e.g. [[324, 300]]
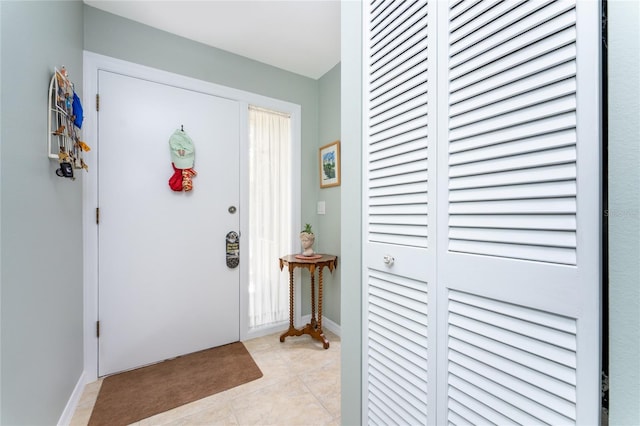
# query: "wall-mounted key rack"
[[65, 120]]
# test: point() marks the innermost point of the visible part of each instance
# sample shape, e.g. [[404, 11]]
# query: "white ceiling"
[[301, 36]]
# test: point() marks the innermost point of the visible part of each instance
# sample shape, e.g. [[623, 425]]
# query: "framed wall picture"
[[329, 157]]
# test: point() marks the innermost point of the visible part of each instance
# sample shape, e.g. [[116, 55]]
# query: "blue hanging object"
[[77, 111]]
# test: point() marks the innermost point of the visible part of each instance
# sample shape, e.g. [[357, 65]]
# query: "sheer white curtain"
[[269, 215]]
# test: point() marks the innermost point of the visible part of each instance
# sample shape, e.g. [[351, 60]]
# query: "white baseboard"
[[72, 404], [265, 330], [326, 323]]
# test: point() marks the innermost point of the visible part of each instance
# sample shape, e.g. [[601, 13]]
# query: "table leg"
[[325, 342], [320, 299], [313, 301], [290, 298], [291, 331], [314, 328]]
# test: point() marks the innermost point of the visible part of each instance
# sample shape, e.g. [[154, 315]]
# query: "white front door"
[[164, 286]]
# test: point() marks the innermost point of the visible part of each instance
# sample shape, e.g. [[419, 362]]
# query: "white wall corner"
[[331, 326], [326, 324]]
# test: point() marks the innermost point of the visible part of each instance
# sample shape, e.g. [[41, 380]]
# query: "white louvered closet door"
[[399, 239], [518, 213], [494, 318]]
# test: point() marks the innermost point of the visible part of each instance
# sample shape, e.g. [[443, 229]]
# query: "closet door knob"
[[388, 260]]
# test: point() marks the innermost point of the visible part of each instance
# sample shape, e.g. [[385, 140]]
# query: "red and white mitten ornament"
[[187, 174], [175, 181]]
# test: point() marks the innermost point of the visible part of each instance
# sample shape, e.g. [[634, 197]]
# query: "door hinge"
[[97, 215], [98, 329], [97, 102]]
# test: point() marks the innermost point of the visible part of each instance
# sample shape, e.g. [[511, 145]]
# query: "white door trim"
[[94, 62]]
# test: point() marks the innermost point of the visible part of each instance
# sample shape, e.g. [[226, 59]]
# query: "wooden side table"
[[314, 328]]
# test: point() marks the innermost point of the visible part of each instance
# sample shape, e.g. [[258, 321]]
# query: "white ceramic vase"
[[307, 240]]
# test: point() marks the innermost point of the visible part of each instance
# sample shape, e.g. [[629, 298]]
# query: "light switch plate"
[[321, 207]]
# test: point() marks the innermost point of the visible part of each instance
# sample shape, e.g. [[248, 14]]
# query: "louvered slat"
[[564, 374], [397, 348], [404, 291], [514, 141], [383, 374], [563, 390], [533, 394], [500, 15], [406, 338], [398, 169], [392, 62], [532, 130], [412, 220], [547, 93], [512, 137], [550, 254], [396, 210], [536, 222], [528, 191], [400, 240], [461, 102], [533, 70], [401, 199], [515, 117], [525, 343], [414, 121], [513, 405], [458, 8], [399, 315], [557, 139], [564, 324], [385, 149], [552, 173], [406, 365], [523, 162], [546, 206], [472, 395], [510, 236], [547, 334], [470, 14], [397, 121], [398, 158], [471, 412], [502, 376], [518, 58], [397, 101], [501, 36]]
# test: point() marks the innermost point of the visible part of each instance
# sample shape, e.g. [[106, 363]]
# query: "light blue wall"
[[41, 245], [624, 212], [0, 213], [351, 221], [327, 227]]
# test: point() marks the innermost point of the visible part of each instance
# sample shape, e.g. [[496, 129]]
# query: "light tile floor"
[[300, 386]]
